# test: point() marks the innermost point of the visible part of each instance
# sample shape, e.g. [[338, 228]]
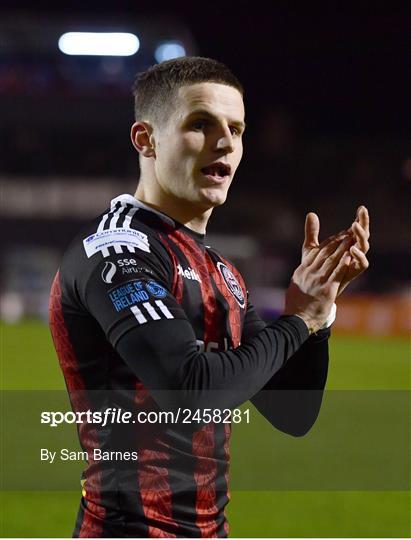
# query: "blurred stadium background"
[[327, 100]]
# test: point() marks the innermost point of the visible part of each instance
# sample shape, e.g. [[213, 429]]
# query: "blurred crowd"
[[59, 139], [283, 175]]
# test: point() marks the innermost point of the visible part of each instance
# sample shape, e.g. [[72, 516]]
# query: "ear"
[[142, 139]]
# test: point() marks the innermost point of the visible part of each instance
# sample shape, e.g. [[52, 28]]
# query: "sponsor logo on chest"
[[188, 273]]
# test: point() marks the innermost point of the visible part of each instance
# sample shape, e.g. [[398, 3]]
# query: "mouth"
[[217, 172]]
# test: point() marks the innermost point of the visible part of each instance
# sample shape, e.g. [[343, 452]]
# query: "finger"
[[361, 237], [330, 244], [332, 261], [359, 259], [338, 236], [363, 219], [359, 263], [331, 253], [312, 230], [341, 269]]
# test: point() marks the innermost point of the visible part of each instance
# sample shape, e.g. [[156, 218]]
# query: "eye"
[[199, 125], [234, 130]]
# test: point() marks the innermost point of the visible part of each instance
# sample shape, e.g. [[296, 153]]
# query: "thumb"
[[312, 230]]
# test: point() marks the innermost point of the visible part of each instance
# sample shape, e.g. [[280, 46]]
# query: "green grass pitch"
[[28, 362]]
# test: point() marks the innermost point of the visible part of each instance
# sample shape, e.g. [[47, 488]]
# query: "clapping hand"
[[327, 268], [359, 233]]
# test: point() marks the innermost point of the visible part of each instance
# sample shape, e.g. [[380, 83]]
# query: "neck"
[[188, 214]]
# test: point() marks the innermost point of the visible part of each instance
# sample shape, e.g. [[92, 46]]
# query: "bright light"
[[169, 50], [99, 43]]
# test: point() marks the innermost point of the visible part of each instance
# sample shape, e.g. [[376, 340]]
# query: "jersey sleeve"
[[130, 290], [291, 399], [252, 322], [149, 329], [165, 358]]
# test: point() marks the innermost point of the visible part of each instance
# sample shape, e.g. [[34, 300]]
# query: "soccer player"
[[147, 318]]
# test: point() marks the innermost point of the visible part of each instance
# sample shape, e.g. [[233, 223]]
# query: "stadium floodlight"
[[99, 43], [169, 50]]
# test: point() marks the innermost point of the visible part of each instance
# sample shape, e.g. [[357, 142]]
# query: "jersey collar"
[[129, 199], [125, 198]]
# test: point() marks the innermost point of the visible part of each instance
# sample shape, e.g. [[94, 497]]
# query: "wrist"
[[314, 324], [331, 317], [311, 324]]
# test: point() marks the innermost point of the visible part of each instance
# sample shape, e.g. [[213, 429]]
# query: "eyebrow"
[[204, 112]]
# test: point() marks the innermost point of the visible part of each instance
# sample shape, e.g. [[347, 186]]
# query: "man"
[[146, 318]]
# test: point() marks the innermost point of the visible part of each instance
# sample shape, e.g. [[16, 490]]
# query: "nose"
[[225, 141]]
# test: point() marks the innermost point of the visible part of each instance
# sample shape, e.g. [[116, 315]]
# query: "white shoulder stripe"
[[116, 215], [118, 248], [151, 310], [129, 217], [164, 309], [102, 223], [114, 220], [138, 315]]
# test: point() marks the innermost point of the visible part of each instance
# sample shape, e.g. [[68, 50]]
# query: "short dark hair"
[[154, 89]]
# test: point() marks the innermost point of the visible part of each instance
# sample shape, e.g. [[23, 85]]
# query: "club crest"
[[232, 284]]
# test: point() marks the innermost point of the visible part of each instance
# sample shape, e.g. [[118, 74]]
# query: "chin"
[[213, 199]]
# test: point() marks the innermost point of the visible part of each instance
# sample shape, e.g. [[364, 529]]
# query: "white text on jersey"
[[188, 273]]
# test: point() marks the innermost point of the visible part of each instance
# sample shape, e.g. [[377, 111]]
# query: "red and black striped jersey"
[[146, 318]]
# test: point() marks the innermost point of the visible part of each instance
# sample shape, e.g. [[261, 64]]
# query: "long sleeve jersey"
[[146, 318]]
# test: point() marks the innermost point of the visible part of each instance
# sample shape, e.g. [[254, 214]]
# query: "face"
[[200, 147]]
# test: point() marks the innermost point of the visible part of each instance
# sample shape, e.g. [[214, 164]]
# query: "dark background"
[[327, 99], [327, 106]]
